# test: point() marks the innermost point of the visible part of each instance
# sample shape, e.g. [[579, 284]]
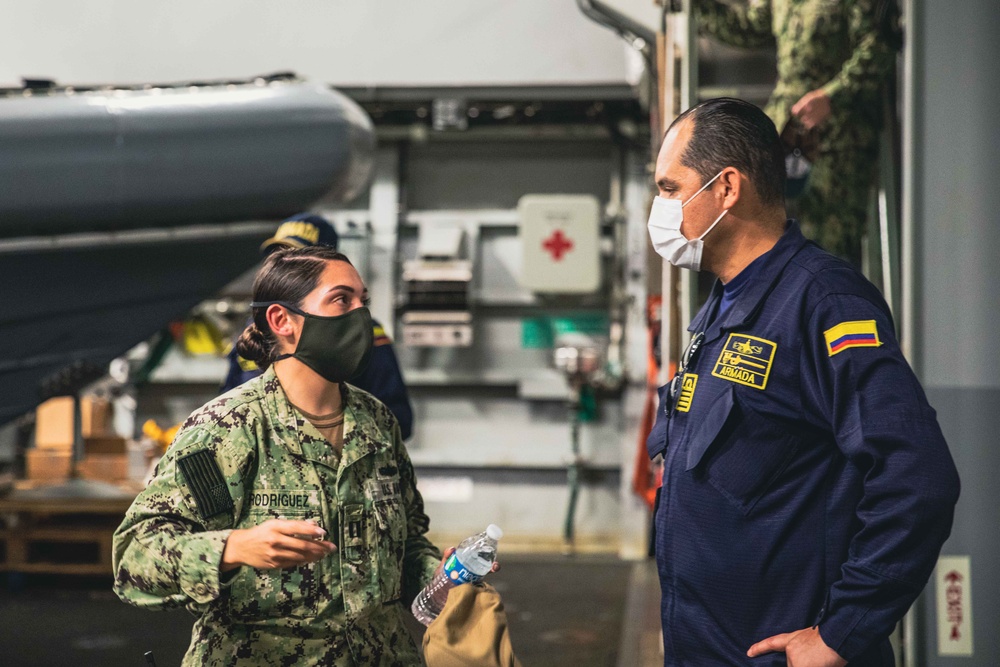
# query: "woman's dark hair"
[[289, 276], [732, 133]]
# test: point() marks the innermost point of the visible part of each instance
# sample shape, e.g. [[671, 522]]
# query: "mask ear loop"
[[283, 304], [712, 226], [701, 189]]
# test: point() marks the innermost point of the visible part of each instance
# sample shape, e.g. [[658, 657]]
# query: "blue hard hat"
[[301, 231]]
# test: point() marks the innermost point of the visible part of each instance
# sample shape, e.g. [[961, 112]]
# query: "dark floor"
[[562, 612]]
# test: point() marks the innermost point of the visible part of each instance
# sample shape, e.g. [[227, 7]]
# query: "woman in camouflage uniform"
[[285, 514]]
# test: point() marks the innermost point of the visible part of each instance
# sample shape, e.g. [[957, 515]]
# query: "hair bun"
[[254, 346]]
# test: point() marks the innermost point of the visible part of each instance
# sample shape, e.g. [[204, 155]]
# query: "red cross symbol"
[[557, 245]]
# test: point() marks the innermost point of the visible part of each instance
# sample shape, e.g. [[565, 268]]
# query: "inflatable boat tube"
[[122, 158]]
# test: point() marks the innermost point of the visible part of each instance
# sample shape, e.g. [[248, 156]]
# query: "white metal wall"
[[952, 318], [477, 427], [342, 42]]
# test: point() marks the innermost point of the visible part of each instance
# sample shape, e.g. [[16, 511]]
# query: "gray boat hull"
[[122, 209], [167, 156]]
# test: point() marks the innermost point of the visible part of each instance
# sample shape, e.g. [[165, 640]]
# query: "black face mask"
[[338, 348]]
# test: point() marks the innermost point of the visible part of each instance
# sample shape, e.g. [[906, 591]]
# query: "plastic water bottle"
[[472, 560]]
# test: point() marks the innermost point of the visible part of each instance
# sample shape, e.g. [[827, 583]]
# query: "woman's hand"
[[276, 544]]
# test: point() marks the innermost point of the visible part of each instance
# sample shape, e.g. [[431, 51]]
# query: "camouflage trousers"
[[833, 210]]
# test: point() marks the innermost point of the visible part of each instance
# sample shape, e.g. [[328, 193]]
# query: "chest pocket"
[[291, 592], [390, 529], [739, 451]]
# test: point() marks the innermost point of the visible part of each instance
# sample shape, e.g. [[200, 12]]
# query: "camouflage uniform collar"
[[286, 424], [358, 424], [358, 427]]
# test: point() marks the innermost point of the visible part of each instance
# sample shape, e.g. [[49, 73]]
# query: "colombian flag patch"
[[846, 335], [381, 337]]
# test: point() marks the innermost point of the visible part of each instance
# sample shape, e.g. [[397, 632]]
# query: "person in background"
[[285, 514], [382, 378], [834, 58], [807, 488]]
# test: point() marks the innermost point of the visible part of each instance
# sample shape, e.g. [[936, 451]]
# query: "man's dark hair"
[[732, 133]]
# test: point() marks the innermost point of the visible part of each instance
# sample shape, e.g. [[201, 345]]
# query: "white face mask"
[[664, 226]]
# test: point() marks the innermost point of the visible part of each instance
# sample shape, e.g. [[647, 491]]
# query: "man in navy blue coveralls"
[[382, 378], [807, 488]]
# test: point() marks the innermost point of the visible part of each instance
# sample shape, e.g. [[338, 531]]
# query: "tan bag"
[[471, 631]]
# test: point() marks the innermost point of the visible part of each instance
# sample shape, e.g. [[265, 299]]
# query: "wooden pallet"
[[58, 533], [45, 550]]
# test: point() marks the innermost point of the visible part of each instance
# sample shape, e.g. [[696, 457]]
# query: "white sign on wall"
[[954, 605], [560, 235]]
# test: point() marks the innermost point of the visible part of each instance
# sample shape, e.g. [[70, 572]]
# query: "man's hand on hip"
[[803, 648]]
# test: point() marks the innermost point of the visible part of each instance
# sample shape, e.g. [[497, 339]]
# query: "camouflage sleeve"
[[870, 63], [168, 549], [743, 25], [420, 557]]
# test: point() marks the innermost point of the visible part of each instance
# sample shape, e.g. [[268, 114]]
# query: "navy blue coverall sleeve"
[[383, 379], [237, 374], [868, 396]]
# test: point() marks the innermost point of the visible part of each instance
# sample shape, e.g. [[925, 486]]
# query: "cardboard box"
[[47, 464], [97, 414], [54, 424], [54, 421], [104, 467], [108, 444]]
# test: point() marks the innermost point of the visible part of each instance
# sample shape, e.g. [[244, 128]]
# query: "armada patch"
[[688, 383], [844, 336], [207, 485], [746, 360]]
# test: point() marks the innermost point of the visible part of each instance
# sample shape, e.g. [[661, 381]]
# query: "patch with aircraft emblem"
[[746, 360]]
